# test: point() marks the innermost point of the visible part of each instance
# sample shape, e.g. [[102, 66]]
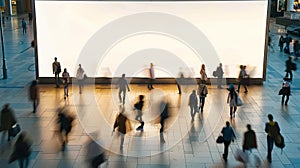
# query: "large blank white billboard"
[[113, 37]]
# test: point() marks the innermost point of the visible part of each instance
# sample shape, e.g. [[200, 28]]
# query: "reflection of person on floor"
[[120, 123], [66, 80], [228, 135], [249, 141], [64, 121], [34, 94], [193, 103], [152, 77], [56, 71], [123, 85], [139, 106], [8, 119], [80, 77], [164, 114], [202, 94]]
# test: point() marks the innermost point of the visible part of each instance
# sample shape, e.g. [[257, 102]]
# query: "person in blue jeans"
[[272, 129], [228, 135], [202, 94]]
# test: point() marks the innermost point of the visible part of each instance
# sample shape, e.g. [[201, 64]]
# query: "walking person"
[[80, 77], [228, 135], [219, 73], [249, 141], [203, 91], [65, 125], [285, 91], [152, 77], [34, 94], [8, 119], [95, 153], [281, 42], [232, 100], [123, 85], [22, 150], [193, 103], [287, 41], [56, 68], [139, 107], [272, 129], [66, 81], [289, 68], [164, 114], [203, 75], [120, 123], [24, 26], [242, 79]]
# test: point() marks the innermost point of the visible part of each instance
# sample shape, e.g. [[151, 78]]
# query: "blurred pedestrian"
[[24, 26], [232, 100], [249, 141], [179, 82], [122, 123], [65, 124], [30, 16], [34, 94], [139, 107], [219, 73], [80, 77], [281, 42], [22, 150], [8, 119], [123, 85], [290, 66], [242, 78], [95, 153], [56, 71], [228, 135], [193, 103], [285, 91], [164, 114], [151, 77], [66, 81], [287, 41], [203, 75], [272, 129], [203, 91]]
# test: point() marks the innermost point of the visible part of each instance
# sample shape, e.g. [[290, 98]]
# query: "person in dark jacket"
[[8, 119], [139, 107], [249, 141], [65, 125], [164, 114], [272, 129], [34, 94], [120, 123], [123, 85], [281, 43], [193, 103], [22, 150], [228, 135], [288, 70], [285, 91]]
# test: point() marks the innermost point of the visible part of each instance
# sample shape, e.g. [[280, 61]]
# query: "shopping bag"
[[15, 129], [239, 101], [241, 156], [220, 139]]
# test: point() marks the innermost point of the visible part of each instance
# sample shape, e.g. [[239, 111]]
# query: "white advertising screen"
[[109, 38]]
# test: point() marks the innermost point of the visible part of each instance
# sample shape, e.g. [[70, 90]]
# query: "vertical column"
[[290, 5]]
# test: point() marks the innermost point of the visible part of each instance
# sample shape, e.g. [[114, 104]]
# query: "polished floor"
[[187, 143]]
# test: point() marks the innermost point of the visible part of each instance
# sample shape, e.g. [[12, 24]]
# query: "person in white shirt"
[[80, 77]]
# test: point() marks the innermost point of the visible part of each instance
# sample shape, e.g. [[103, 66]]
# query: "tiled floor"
[[188, 144]]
